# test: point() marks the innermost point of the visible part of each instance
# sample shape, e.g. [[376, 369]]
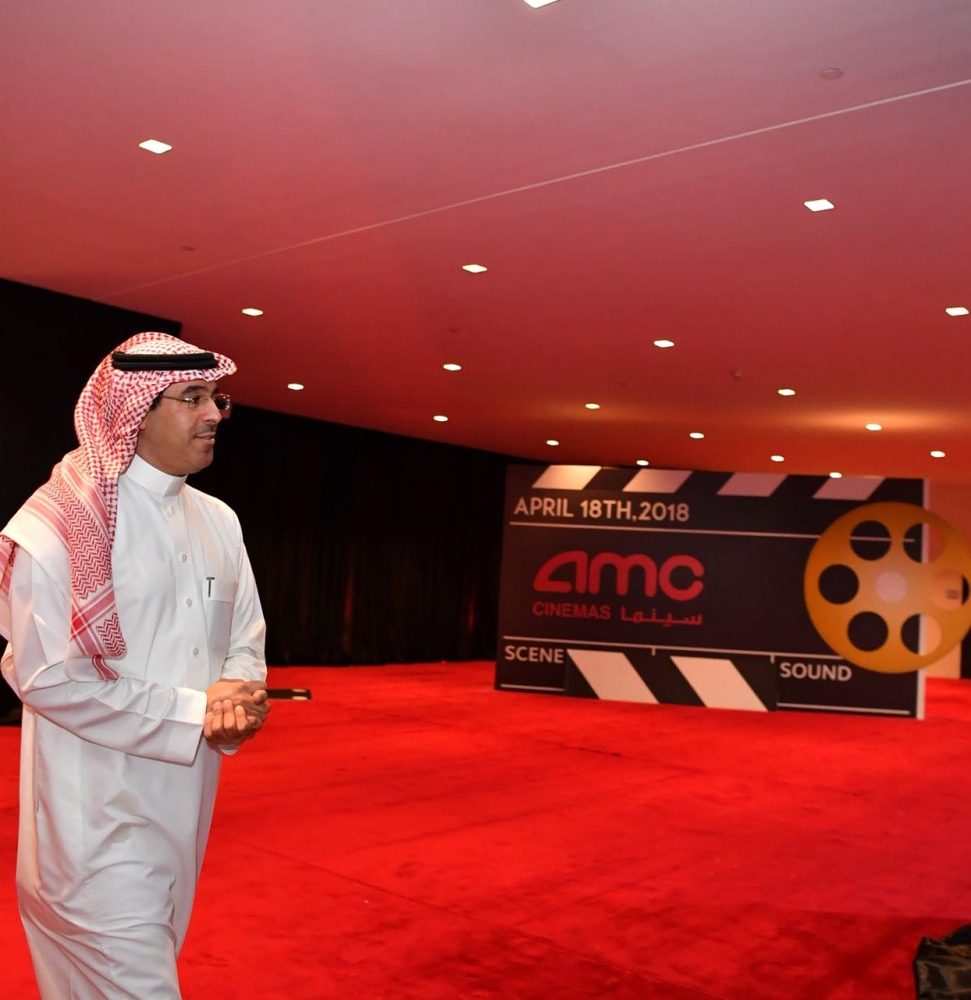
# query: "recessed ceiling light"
[[956, 311], [474, 268], [552, 442], [155, 146], [643, 461], [440, 417], [296, 386], [819, 205], [787, 392], [452, 367], [697, 435], [836, 475], [937, 454], [664, 343], [777, 458], [539, 3], [252, 311], [592, 406], [874, 427]]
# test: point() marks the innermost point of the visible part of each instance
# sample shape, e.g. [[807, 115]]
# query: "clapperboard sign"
[[667, 586]]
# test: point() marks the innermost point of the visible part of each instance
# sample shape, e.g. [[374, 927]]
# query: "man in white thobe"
[[136, 646]]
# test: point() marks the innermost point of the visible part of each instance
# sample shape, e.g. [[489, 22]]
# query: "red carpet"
[[412, 833]]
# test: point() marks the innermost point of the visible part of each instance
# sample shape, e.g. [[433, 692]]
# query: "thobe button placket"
[[187, 584]]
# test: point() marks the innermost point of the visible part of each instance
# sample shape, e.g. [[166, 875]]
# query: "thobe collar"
[[152, 479]]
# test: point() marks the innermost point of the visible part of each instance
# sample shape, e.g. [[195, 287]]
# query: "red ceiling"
[[627, 170]]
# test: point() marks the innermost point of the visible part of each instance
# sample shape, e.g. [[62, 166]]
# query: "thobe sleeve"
[[134, 716]]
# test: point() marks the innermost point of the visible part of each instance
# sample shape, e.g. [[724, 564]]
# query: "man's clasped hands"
[[236, 711]]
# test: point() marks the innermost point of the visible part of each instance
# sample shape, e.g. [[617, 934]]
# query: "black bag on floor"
[[942, 967]]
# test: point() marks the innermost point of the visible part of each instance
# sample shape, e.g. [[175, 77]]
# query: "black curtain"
[[367, 547], [49, 345]]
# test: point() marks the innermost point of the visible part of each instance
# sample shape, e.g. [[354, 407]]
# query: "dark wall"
[[367, 547]]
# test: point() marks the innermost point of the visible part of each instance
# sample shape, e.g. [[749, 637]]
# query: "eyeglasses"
[[193, 400]]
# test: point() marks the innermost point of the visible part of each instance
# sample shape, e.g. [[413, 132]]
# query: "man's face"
[[179, 438]]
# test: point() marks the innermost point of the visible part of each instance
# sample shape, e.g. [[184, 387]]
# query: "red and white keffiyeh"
[[79, 503]]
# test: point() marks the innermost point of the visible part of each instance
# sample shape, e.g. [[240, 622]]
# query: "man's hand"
[[226, 724], [236, 711]]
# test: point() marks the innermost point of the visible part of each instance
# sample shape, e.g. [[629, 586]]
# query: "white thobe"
[[117, 786]]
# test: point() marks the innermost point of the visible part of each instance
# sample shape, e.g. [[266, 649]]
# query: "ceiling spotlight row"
[[552, 442], [643, 462], [662, 343], [818, 205], [452, 366]]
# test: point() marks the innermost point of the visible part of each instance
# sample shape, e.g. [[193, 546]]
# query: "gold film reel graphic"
[[874, 601]]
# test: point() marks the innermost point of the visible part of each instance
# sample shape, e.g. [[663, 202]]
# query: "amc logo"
[[583, 574]]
